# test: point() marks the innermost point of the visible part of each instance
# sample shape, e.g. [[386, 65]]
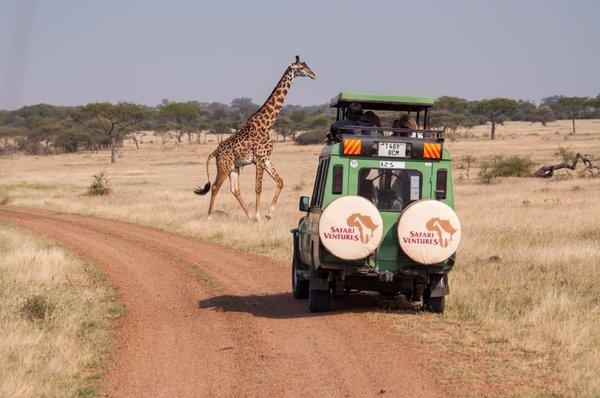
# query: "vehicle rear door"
[[391, 185]]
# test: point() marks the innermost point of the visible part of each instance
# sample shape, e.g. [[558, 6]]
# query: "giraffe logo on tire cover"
[[436, 226], [364, 224]]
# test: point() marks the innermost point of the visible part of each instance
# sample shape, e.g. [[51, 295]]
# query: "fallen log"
[[548, 171]]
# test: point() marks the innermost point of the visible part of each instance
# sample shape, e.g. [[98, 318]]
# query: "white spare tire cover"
[[351, 228], [429, 231]]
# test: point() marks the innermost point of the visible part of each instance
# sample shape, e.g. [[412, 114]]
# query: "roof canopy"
[[382, 102]]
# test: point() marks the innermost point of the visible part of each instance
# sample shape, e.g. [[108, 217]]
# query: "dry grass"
[[55, 319], [538, 304]]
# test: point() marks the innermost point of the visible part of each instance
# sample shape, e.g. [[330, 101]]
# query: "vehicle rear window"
[[390, 189]]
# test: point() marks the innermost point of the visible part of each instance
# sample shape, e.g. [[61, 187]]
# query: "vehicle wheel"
[[434, 304], [318, 301], [299, 287]]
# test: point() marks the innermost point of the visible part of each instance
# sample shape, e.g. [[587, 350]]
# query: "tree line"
[[451, 113], [46, 129]]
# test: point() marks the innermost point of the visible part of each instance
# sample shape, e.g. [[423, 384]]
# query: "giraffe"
[[252, 144]]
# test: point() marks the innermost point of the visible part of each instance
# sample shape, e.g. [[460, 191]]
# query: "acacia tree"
[[182, 115], [572, 107], [493, 109], [543, 114], [284, 126], [112, 121], [452, 104]]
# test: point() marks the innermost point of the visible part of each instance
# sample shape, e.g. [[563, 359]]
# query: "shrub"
[[500, 166], [311, 138], [36, 307], [565, 154], [100, 186], [5, 198]]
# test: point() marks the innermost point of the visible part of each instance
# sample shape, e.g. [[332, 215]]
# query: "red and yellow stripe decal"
[[432, 151], [352, 147]]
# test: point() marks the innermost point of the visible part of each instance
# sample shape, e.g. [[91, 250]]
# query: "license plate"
[[392, 149]]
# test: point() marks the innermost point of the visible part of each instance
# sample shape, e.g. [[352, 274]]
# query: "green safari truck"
[[381, 215]]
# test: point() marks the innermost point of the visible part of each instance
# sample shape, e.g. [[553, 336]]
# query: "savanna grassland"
[[524, 295], [57, 314]]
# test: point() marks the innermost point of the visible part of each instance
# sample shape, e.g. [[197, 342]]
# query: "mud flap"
[[318, 284], [438, 285]]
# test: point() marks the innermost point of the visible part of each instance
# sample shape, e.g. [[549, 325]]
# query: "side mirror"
[[303, 205]]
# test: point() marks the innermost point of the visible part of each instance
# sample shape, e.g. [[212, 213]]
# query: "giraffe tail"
[[204, 191]]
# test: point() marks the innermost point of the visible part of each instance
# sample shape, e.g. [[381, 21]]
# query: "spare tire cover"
[[351, 228], [429, 231]]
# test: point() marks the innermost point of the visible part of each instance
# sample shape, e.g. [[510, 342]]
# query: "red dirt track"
[[206, 320]]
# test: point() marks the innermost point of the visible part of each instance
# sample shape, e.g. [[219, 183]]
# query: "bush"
[[5, 198], [36, 307], [100, 186], [311, 138], [499, 166]]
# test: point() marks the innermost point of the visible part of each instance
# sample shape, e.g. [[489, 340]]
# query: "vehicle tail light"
[[441, 184], [338, 179]]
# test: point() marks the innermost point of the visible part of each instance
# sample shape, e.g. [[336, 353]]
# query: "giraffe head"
[[301, 69]]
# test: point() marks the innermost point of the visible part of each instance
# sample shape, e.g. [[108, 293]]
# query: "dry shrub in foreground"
[[100, 186], [55, 319]]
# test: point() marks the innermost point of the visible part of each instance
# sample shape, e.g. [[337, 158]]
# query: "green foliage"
[[500, 166], [543, 114], [447, 120], [244, 107], [524, 111], [571, 107], [453, 105], [112, 121], [100, 186], [180, 116], [493, 109]]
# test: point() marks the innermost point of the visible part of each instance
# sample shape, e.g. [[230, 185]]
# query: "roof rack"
[[388, 132], [382, 101]]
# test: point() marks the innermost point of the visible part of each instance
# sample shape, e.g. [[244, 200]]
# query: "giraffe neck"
[[264, 118]]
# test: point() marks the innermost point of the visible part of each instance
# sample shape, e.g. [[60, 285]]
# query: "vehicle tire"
[[299, 287], [434, 304], [318, 300]]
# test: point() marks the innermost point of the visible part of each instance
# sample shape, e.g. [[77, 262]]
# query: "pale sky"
[[69, 52]]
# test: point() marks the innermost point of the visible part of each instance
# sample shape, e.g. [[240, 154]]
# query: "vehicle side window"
[[320, 180], [323, 182], [313, 198]]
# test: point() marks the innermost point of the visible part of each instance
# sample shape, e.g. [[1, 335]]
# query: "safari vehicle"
[[381, 214]]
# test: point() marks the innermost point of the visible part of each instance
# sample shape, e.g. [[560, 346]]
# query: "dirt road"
[[206, 320]]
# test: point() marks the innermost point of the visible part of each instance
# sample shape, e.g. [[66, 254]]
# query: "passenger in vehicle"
[[405, 122], [371, 119], [355, 117]]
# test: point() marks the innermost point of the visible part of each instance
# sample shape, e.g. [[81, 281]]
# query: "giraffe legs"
[[260, 169], [278, 186], [221, 174], [234, 181]]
